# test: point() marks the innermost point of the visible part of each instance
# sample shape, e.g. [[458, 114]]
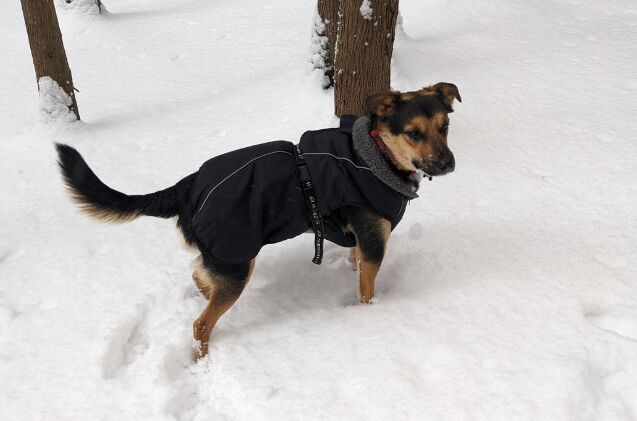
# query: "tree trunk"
[[47, 48], [363, 52], [328, 13]]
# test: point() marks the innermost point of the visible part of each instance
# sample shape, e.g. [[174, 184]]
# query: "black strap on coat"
[[312, 206]]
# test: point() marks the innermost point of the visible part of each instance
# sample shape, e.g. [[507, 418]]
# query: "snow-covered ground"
[[509, 290]]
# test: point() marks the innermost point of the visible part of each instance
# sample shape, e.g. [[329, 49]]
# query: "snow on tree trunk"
[[363, 52], [89, 7], [47, 48], [55, 104], [324, 38], [318, 49], [366, 9]]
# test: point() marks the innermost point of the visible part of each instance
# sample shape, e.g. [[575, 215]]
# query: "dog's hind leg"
[[353, 258], [223, 283], [200, 281], [201, 278]]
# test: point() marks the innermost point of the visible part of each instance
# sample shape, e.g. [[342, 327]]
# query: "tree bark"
[[363, 53], [47, 48], [328, 12]]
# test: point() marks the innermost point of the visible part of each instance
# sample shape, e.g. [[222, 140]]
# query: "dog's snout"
[[446, 163]]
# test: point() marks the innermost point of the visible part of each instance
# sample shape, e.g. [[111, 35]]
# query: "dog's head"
[[414, 126]]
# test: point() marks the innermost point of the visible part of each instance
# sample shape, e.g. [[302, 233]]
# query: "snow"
[[318, 46], [54, 102], [509, 290], [366, 9], [87, 7]]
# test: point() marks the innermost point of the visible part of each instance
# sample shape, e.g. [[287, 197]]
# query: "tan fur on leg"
[[367, 270], [353, 259], [202, 286], [219, 302], [200, 277], [367, 278]]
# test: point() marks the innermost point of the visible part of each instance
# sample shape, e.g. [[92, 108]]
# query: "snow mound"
[[55, 103], [87, 7]]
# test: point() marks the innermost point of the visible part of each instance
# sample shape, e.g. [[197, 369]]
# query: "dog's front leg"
[[371, 238]]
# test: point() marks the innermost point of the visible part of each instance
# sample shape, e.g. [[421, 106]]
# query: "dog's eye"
[[414, 134], [444, 128]]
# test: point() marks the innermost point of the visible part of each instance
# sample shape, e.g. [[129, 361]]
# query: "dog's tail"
[[105, 204]]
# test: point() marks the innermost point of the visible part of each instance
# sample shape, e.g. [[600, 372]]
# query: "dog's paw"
[[199, 349], [373, 300]]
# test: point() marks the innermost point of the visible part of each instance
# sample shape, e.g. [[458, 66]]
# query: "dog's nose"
[[446, 164]]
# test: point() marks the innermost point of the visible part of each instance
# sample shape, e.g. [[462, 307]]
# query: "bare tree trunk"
[[363, 52], [328, 13], [47, 48]]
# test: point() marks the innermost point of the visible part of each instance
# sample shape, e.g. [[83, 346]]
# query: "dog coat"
[[250, 197]]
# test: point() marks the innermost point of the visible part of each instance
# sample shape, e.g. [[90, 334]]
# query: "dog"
[[349, 185]]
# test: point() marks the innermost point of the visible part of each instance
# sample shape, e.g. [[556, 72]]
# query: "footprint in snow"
[[612, 261], [179, 370], [129, 341], [625, 326], [7, 256]]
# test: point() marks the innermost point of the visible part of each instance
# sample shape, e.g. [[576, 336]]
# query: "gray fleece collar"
[[367, 150]]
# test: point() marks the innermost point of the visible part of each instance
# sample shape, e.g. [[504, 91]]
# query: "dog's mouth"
[[427, 170], [430, 170], [421, 174], [411, 177]]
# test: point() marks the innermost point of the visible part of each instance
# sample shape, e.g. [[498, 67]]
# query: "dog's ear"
[[447, 93], [382, 105]]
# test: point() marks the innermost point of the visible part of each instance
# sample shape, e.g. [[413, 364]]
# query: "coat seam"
[[337, 157], [233, 173]]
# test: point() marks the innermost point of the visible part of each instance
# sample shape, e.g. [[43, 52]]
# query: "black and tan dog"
[[351, 184]]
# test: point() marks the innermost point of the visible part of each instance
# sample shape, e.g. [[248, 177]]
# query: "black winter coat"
[[250, 197]]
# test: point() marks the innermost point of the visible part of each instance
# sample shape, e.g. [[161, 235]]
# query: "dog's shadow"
[[286, 284], [421, 259]]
